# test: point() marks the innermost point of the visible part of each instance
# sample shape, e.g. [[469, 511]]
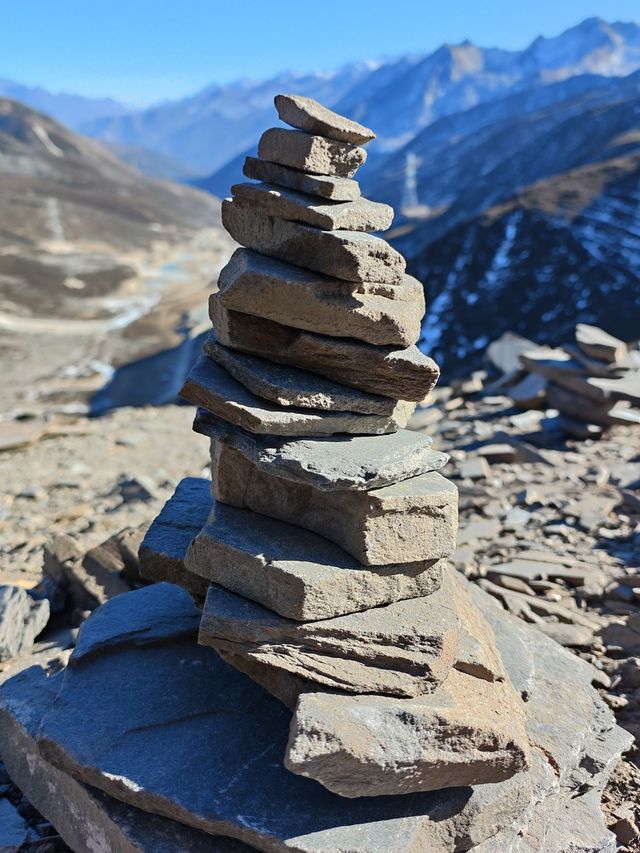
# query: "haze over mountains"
[[514, 173]]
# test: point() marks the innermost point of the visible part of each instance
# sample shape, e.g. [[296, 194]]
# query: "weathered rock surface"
[[210, 386], [254, 284], [291, 386], [358, 215], [596, 343], [21, 620], [469, 730], [404, 374], [144, 716], [308, 153], [324, 186], [88, 820], [351, 255], [412, 520], [164, 547], [295, 572], [307, 114], [403, 649], [338, 462]]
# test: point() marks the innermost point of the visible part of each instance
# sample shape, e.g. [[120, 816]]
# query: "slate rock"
[[376, 313], [210, 386], [402, 374], [164, 547], [324, 186], [88, 820], [147, 712], [358, 215], [413, 520], [22, 618], [402, 649], [307, 114], [577, 406], [14, 831], [291, 386], [350, 255], [295, 572], [310, 153], [337, 462], [598, 344]]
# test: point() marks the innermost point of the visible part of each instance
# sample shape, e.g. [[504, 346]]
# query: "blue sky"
[[141, 51]]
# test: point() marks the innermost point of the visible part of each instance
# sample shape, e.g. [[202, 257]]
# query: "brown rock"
[[407, 522], [254, 284], [405, 374], [210, 386], [351, 255], [324, 186], [314, 154], [307, 114], [290, 386], [403, 649], [358, 215]]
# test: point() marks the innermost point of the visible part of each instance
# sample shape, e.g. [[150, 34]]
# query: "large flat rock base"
[[170, 729]]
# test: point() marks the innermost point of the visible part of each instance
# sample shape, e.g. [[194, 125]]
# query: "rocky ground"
[[550, 527]]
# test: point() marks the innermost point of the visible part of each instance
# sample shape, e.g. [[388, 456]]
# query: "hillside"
[[94, 256], [564, 249]]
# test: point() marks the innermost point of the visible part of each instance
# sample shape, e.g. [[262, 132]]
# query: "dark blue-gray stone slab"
[[163, 548], [173, 730]]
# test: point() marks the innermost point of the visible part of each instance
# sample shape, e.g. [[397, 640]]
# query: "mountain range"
[[514, 174]]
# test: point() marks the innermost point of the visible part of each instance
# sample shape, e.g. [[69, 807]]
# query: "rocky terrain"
[[547, 551]]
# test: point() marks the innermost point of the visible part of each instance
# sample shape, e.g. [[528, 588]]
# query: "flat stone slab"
[[291, 386], [469, 730], [352, 255], [405, 374], [88, 820], [130, 721], [596, 343], [22, 618], [210, 386], [295, 572], [272, 200], [307, 114], [324, 186], [374, 313], [165, 544], [338, 462], [413, 520], [402, 649], [310, 153]]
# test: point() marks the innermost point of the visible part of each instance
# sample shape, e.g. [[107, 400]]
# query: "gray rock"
[[22, 618], [164, 547], [210, 386], [324, 186], [338, 462], [598, 344], [291, 386], [412, 520], [88, 820], [403, 649], [402, 374], [308, 153], [358, 215], [296, 573], [351, 255], [307, 114], [376, 313], [129, 722]]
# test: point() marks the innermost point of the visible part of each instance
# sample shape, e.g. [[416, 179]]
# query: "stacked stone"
[[325, 549]]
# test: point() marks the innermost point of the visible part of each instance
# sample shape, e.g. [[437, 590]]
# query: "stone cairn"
[[326, 549], [411, 712]]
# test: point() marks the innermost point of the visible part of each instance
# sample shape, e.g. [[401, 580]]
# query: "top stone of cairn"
[[310, 116]]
